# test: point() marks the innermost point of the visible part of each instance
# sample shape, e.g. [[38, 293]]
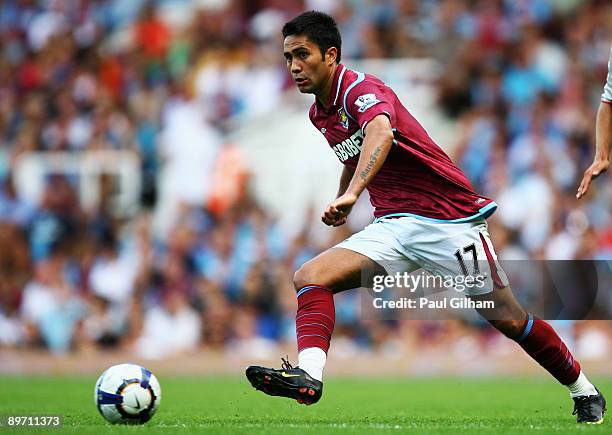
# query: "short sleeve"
[[368, 99], [607, 93]]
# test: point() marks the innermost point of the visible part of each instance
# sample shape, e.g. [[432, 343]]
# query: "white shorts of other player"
[[407, 244]]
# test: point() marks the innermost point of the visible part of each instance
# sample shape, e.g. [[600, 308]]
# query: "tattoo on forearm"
[[373, 159]]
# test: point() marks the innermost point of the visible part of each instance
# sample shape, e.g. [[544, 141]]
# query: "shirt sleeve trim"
[[384, 112]]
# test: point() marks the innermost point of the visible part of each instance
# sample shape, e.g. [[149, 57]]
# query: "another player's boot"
[[590, 409], [291, 382]]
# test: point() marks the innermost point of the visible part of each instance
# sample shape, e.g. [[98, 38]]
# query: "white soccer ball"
[[128, 394]]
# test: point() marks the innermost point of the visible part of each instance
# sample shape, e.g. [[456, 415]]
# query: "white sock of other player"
[[582, 387], [312, 361]]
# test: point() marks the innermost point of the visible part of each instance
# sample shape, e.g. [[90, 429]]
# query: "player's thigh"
[[352, 263], [336, 268], [505, 312], [462, 251]]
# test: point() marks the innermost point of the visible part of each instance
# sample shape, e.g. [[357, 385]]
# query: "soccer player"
[[427, 215], [603, 136]]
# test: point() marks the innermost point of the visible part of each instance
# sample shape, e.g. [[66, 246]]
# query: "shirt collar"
[[337, 83]]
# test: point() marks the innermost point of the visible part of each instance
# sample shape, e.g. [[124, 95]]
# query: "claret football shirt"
[[417, 178]]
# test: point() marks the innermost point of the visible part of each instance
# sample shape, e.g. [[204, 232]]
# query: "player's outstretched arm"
[[603, 137], [376, 145]]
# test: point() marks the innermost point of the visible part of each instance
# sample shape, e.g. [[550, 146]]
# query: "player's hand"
[[598, 167], [338, 210]]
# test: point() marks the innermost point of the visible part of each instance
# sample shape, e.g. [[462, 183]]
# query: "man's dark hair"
[[319, 28]]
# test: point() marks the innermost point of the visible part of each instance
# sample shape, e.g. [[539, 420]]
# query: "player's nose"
[[295, 68]]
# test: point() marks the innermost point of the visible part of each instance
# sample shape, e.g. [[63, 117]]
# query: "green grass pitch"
[[230, 405]]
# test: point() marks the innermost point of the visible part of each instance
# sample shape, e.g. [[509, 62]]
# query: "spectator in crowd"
[[170, 327]]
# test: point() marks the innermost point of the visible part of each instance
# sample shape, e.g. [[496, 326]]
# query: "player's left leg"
[[538, 339], [432, 244], [544, 345]]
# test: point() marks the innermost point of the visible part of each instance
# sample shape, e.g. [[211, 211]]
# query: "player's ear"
[[330, 55]]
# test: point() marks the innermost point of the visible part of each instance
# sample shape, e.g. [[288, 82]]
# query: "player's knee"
[[308, 274], [303, 276], [510, 328]]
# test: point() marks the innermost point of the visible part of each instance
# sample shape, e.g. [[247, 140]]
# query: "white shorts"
[[444, 249]]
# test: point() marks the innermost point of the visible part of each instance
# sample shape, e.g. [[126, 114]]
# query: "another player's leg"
[[542, 343], [333, 271]]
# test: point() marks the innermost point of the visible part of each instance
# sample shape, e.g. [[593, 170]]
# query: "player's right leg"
[[315, 283]]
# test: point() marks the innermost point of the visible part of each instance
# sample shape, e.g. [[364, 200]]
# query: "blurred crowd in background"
[[202, 263]]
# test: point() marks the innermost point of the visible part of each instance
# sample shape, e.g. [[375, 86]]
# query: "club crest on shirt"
[[344, 121], [364, 102]]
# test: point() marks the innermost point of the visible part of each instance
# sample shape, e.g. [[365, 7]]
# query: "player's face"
[[309, 69]]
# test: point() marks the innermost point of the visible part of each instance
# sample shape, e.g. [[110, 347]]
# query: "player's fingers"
[[341, 221], [584, 184], [328, 218], [332, 213]]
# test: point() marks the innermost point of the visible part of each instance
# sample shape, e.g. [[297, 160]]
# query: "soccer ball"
[[128, 394]]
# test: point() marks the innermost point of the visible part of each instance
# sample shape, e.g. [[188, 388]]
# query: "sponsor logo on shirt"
[[480, 201], [364, 102], [344, 121], [349, 147]]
